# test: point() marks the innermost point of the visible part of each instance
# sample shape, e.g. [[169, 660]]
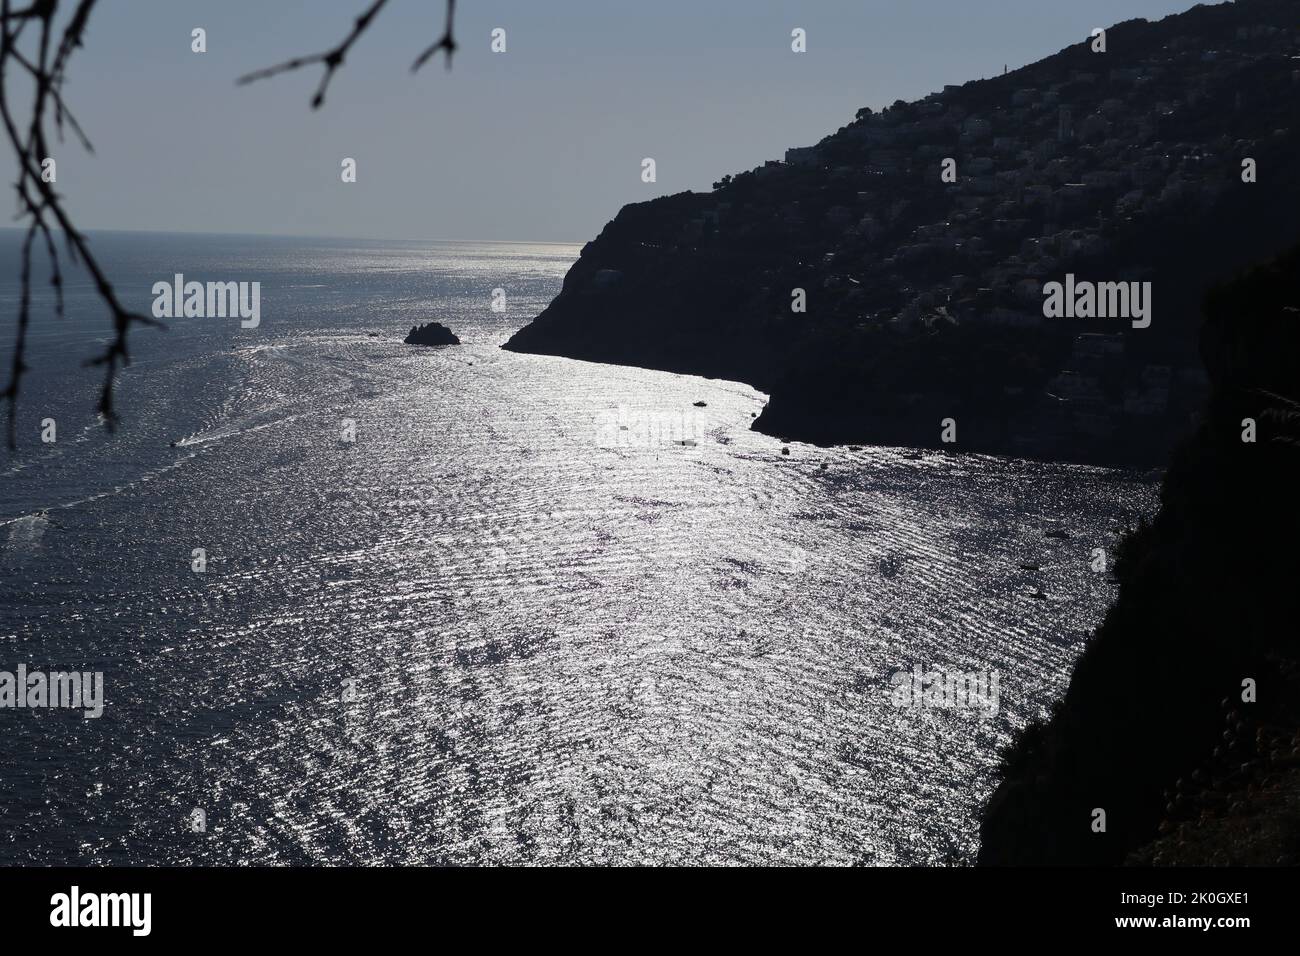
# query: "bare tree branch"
[[333, 58], [446, 42], [39, 204], [42, 207]]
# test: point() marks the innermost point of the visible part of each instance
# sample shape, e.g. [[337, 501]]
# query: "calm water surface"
[[568, 636]]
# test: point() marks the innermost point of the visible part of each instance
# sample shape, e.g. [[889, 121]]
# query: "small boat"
[[1029, 566], [1056, 533]]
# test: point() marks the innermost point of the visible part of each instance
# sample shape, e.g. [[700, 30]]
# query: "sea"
[[361, 602]]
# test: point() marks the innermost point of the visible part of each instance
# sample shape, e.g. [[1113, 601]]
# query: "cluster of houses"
[[960, 207]]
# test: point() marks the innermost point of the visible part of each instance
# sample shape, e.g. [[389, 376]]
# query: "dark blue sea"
[[538, 611]]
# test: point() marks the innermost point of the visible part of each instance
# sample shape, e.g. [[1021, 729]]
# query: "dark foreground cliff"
[[924, 298], [1154, 728]]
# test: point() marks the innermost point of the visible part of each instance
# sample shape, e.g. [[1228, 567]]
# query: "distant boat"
[[1029, 566], [1056, 533]]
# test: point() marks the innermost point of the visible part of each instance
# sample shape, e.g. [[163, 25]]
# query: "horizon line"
[[294, 235]]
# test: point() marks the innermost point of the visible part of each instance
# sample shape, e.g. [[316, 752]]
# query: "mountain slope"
[[1155, 728], [924, 298]]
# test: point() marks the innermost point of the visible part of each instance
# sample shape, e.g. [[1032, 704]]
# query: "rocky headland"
[[874, 290]]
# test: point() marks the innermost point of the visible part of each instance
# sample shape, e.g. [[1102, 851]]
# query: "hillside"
[[924, 298], [1154, 728]]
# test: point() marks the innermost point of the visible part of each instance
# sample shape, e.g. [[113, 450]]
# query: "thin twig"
[[333, 58], [40, 205], [38, 201]]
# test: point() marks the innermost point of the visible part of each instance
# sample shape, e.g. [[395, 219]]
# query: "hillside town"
[[1039, 181], [939, 222]]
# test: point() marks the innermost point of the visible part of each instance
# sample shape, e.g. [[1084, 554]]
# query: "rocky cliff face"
[[872, 298], [1182, 717]]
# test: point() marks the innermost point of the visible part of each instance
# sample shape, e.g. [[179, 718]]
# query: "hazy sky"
[[543, 142]]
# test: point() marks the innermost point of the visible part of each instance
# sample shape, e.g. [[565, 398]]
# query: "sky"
[[543, 142]]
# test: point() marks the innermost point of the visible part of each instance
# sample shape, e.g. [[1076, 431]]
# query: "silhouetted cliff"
[[1154, 729], [924, 298]]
